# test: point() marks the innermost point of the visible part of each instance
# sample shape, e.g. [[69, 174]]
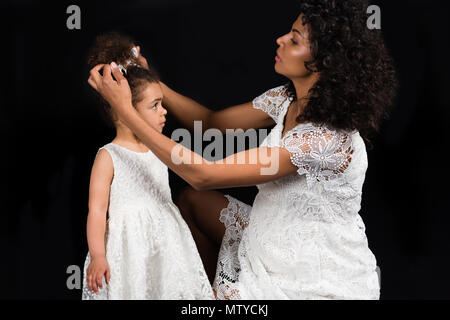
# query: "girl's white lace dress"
[[303, 237], [149, 247]]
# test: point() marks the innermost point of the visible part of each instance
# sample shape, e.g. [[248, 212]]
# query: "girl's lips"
[[277, 58]]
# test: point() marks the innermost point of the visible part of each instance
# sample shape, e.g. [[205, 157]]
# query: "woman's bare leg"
[[201, 211]]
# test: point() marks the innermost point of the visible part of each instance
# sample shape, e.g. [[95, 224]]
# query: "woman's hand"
[[116, 92], [95, 271]]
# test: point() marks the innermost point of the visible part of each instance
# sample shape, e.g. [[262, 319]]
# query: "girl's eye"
[[155, 106]]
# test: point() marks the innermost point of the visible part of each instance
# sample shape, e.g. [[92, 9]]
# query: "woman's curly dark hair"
[[116, 47], [357, 83]]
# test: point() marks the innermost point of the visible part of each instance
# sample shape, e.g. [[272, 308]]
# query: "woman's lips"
[[277, 57]]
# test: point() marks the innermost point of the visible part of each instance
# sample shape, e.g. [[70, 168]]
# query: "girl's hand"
[[116, 92], [95, 271], [142, 61]]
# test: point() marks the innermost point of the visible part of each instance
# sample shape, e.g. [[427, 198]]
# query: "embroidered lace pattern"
[[303, 237]]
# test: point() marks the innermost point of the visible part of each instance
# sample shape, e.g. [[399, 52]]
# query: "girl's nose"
[[164, 111]]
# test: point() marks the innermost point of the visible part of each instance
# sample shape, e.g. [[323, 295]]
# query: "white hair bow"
[[135, 54]]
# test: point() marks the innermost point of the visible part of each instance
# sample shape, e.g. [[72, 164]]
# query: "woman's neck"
[[302, 86]]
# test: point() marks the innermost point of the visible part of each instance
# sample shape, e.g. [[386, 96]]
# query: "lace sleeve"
[[320, 153], [273, 101]]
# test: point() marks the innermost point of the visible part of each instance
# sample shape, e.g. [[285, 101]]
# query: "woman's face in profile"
[[150, 107], [294, 50]]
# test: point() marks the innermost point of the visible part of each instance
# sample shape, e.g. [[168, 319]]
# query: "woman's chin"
[[278, 69]]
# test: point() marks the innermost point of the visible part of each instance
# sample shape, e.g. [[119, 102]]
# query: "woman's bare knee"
[[203, 209], [184, 203], [207, 206]]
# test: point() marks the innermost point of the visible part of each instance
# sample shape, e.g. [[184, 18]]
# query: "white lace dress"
[[149, 247], [303, 237]]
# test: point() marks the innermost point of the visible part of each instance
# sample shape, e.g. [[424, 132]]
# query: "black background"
[[220, 53]]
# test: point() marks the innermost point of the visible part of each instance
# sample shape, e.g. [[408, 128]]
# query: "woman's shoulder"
[[324, 153], [312, 129], [273, 101], [275, 92]]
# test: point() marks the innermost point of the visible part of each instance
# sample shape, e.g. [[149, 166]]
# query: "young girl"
[[145, 249]]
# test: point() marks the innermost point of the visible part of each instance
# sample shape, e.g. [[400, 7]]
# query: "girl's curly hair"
[[357, 83], [116, 47]]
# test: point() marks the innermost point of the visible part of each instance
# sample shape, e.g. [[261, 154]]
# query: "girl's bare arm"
[[99, 188]]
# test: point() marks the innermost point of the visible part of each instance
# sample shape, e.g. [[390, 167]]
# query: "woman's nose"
[[279, 41]]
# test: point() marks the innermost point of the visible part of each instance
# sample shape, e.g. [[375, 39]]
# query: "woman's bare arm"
[[198, 172], [246, 168], [186, 111]]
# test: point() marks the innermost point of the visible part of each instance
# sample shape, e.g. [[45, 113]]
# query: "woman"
[[303, 237]]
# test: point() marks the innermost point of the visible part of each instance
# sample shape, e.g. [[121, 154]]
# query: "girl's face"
[[150, 107], [293, 51]]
